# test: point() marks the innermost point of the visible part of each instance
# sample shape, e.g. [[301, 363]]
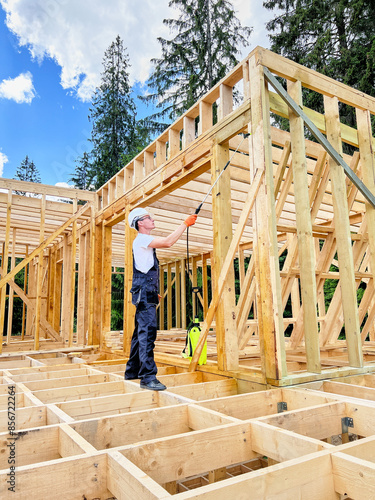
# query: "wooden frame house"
[[282, 252]]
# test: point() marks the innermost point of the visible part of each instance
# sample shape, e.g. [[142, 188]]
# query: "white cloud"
[[20, 89], [75, 33], [64, 185], [59, 198], [3, 161]]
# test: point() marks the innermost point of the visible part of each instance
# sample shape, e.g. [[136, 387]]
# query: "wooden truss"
[[282, 225]]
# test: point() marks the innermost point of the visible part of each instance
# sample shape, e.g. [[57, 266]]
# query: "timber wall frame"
[[282, 196]]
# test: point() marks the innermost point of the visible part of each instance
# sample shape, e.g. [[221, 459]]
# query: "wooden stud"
[[161, 292], [173, 142], [177, 294], [189, 131], [39, 274], [138, 171], [227, 345], [169, 296], [205, 117], [82, 285], [304, 234], [205, 284], [4, 264], [106, 281], [271, 328], [73, 271], [97, 289], [367, 167], [161, 153], [148, 159], [342, 230], [25, 288], [226, 101], [91, 279], [11, 294]]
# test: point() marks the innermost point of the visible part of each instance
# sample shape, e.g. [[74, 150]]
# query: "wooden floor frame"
[[84, 432], [294, 225]]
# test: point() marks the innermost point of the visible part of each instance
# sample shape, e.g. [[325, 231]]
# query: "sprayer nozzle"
[[245, 136]]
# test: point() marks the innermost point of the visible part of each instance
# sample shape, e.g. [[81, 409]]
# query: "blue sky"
[[53, 129], [50, 62]]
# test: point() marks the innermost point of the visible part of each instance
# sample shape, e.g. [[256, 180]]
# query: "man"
[[145, 297]]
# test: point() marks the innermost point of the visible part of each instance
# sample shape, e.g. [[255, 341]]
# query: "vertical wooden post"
[[161, 303], [169, 296], [39, 274], [226, 101], [129, 309], [226, 333], [161, 153], [86, 286], [343, 238], [368, 168], [245, 79], [173, 142], [73, 275], [97, 295], [138, 171], [205, 117], [177, 289], [31, 289], [44, 292], [183, 293], [25, 289], [81, 293], [267, 271], [189, 131], [205, 284], [11, 293], [129, 176], [57, 298], [304, 233], [148, 159], [91, 279], [4, 265], [107, 280], [66, 288], [51, 282]]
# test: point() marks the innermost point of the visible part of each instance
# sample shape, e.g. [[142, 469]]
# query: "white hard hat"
[[135, 215]]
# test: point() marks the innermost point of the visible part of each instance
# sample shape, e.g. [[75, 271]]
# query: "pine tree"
[[334, 37], [27, 171], [113, 116], [83, 171], [207, 45]]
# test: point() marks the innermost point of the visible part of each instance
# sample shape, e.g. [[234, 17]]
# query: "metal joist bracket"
[[282, 406], [319, 137], [346, 422]]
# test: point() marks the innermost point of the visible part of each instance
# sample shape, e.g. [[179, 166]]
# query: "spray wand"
[[245, 136]]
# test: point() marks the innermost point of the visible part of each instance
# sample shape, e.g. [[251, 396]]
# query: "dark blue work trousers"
[[144, 292], [141, 362]]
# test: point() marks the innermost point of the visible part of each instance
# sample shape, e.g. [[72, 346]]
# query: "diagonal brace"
[[320, 137]]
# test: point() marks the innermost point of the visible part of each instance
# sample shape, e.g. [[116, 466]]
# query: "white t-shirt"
[[143, 254]]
